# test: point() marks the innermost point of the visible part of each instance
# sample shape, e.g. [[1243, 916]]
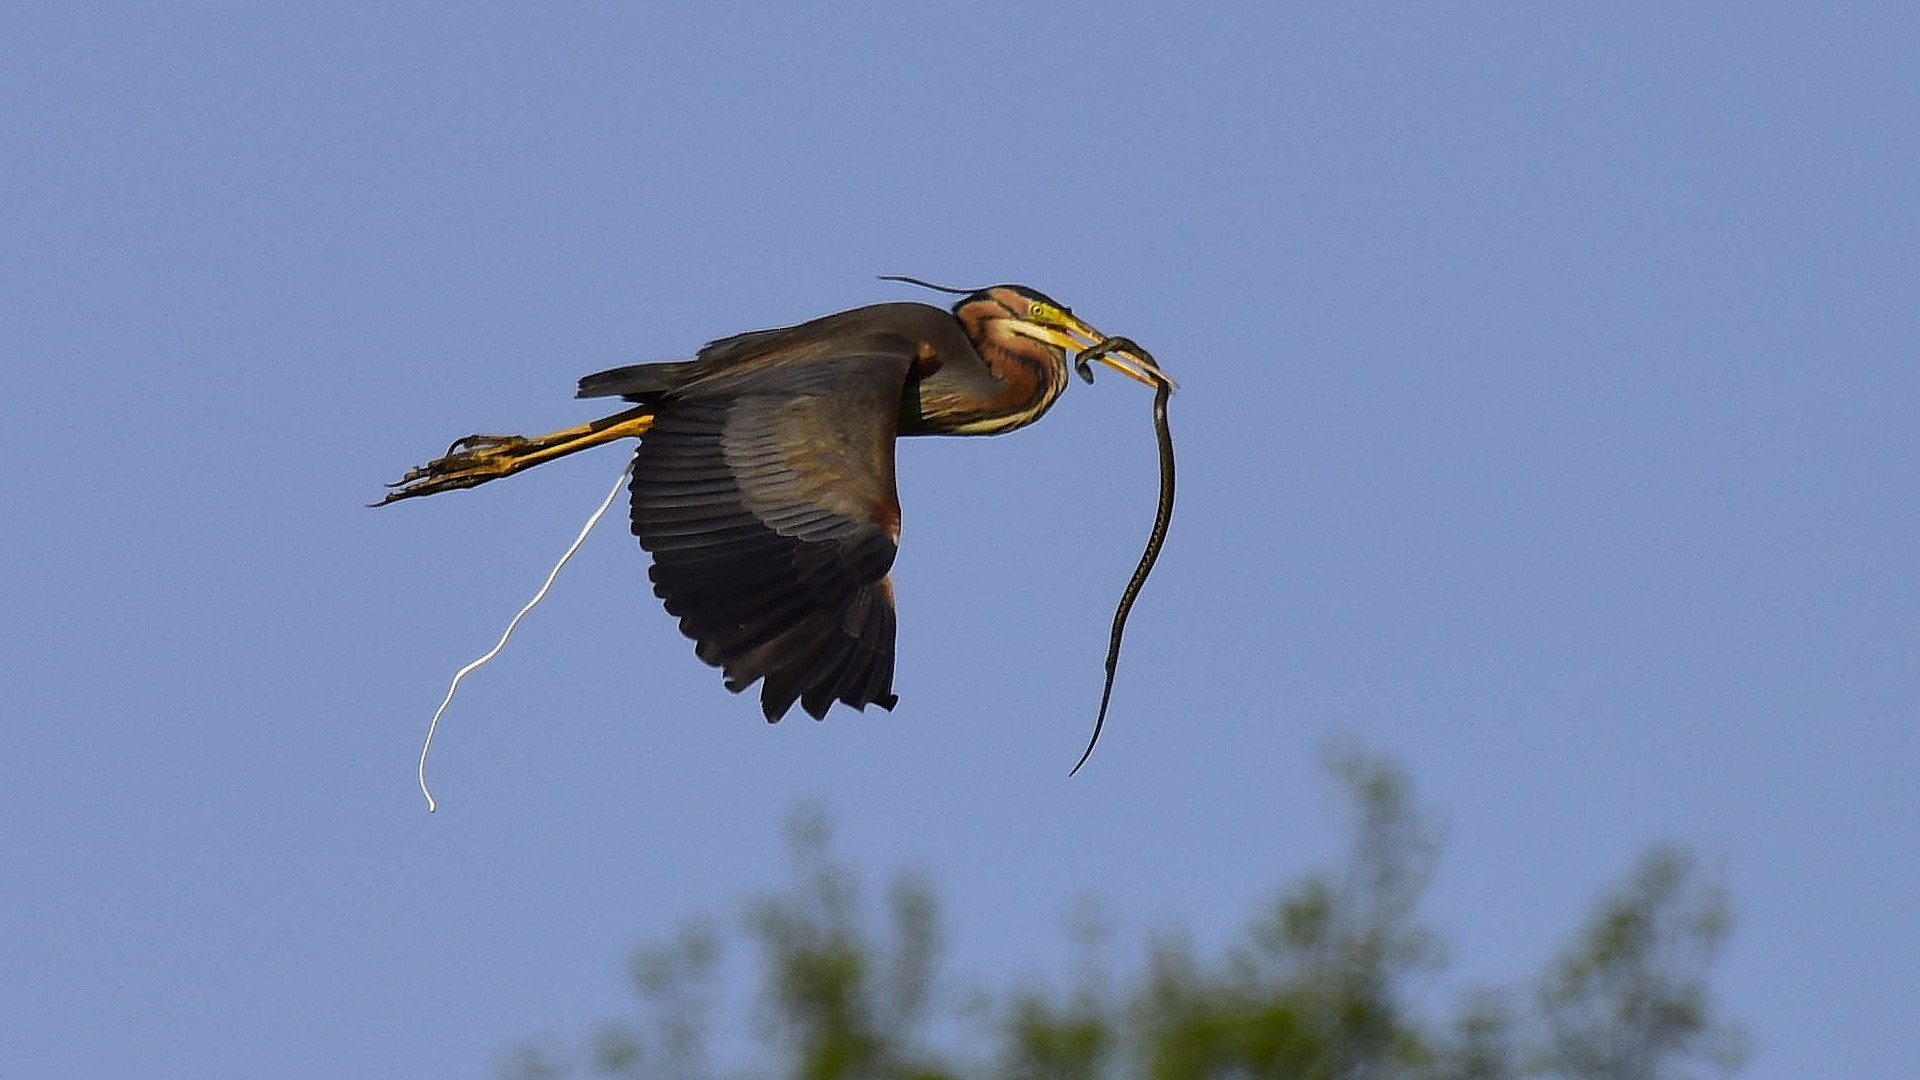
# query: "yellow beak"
[[1076, 337]]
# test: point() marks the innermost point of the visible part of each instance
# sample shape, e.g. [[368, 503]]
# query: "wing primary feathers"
[[769, 509]]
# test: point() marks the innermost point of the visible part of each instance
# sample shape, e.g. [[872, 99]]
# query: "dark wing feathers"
[[770, 510], [637, 381]]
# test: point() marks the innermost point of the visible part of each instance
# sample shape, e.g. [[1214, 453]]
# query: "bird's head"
[[1023, 313], [1012, 316]]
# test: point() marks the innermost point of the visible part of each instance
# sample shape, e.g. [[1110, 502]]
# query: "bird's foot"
[[471, 461], [477, 459]]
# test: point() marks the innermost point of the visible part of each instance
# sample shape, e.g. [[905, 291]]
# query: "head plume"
[[930, 285]]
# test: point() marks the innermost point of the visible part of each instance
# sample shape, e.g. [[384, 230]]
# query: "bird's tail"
[[477, 459]]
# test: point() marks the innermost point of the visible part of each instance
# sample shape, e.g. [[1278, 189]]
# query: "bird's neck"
[[1030, 377]]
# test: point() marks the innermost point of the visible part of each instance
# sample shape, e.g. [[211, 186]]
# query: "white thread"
[[434, 724]]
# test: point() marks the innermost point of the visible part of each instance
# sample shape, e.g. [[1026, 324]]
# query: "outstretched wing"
[[770, 510]]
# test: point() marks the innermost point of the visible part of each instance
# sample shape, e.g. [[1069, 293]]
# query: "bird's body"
[[764, 485], [949, 387]]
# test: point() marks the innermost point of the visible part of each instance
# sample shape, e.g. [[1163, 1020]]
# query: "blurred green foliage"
[[1320, 986]]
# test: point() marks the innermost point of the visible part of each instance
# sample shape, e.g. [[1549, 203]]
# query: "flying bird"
[[763, 485]]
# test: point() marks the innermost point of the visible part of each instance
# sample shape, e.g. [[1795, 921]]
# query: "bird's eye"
[[1042, 312]]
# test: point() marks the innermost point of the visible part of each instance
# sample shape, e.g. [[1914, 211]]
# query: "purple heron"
[[763, 485]]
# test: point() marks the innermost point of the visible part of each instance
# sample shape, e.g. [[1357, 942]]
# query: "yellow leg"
[[477, 459]]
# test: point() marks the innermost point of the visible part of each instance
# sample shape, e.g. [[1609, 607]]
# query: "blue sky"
[[1547, 422]]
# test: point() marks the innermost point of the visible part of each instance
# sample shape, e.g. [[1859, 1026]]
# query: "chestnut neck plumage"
[[1027, 375], [1031, 375]]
